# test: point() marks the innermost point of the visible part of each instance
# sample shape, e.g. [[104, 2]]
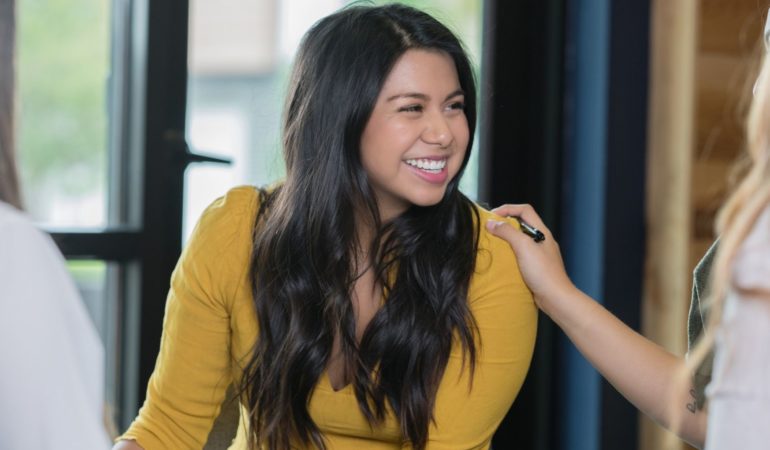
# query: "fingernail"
[[492, 224]]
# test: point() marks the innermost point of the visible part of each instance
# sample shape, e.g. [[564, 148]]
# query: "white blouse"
[[51, 357], [739, 393]]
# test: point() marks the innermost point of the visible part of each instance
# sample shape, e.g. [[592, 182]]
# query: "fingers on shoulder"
[[514, 209]]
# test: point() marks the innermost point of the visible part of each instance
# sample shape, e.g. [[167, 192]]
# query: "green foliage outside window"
[[63, 67]]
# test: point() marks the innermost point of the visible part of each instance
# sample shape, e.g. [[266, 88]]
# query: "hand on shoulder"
[[540, 263]]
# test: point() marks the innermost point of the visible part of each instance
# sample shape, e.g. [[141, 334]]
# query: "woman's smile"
[[432, 170], [417, 135]]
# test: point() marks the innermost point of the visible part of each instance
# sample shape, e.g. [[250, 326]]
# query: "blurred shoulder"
[[11, 217], [17, 232], [28, 255]]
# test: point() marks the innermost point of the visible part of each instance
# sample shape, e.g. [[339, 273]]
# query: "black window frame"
[[148, 91]]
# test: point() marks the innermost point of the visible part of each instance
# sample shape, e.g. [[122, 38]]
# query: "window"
[[75, 164]]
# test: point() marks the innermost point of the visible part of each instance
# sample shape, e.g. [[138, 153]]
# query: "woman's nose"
[[437, 131]]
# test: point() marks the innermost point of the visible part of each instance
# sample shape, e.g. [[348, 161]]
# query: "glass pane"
[[90, 277], [240, 52], [239, 55], [63, 67], [93, 279]]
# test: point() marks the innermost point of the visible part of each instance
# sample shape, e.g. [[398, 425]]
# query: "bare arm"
[[644, 373]]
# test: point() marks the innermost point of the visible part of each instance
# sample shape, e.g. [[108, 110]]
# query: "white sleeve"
[[751, 267], [51, 382], [739, 394], [738, 423]]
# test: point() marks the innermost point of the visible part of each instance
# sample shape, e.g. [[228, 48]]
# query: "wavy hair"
[[305, 259]]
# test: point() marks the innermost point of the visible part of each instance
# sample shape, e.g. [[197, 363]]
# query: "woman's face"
[[416, 137]]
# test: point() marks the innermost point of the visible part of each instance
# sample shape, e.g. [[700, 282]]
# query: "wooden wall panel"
[[728, 50], [729, 26], [721, 87]]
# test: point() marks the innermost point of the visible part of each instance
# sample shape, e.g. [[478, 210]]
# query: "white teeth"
[[430, 165]]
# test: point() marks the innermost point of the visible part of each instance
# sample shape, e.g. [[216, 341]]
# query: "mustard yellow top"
[[210, 325]]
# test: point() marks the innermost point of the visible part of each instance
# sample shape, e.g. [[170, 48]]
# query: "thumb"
[[504, 230]]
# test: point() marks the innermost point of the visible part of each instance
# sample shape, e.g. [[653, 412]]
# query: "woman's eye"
[[457, 105], [411, 108]]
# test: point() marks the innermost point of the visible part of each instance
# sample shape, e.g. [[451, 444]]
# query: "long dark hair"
[[305, 263]]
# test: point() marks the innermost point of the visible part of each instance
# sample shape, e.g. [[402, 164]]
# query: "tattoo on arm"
[[693, 406]]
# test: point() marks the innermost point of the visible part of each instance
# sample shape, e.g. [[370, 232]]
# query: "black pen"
[[529, 230]]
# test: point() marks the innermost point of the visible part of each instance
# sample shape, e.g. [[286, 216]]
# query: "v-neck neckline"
[[326, 383]]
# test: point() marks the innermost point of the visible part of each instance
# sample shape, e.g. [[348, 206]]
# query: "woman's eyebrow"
[[421, 96], [456, 93], [416, 95]]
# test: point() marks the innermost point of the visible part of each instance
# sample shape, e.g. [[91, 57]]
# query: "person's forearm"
[[640, 370]]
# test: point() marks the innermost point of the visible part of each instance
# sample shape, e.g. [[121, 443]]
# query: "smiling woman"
[[359, 302], [417, 136]]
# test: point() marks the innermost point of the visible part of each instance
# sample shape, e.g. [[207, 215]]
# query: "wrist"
[[569, 306]]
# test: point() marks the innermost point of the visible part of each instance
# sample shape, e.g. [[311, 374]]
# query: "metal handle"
[[184, 154]]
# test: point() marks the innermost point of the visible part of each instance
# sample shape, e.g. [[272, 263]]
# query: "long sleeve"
[[204, 317], [193, 368]]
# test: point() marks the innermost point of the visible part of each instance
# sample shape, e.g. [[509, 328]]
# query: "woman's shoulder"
[[226, 224], [237, 200], [235, 211], [486, 240], [216, 257], [497, 293], [13, 219], [19, 235], [485, 214], [495, 259], [29, 255]]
